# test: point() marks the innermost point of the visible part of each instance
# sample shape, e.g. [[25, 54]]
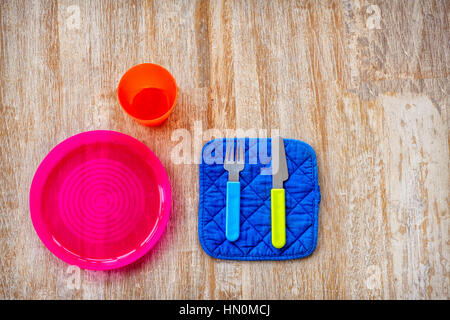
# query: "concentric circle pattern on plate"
[[100, 200]]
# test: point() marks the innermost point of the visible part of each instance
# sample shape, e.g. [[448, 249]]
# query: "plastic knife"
[[279, 175]]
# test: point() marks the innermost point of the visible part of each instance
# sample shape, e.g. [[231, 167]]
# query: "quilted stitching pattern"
[[254, 243]]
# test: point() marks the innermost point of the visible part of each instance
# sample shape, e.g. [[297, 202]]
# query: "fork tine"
[[229, 151], [240, 151]]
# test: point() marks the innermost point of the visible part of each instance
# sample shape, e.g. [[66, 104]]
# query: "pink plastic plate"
[[100, 200]]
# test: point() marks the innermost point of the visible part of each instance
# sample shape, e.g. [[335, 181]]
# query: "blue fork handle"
[[233, 210]]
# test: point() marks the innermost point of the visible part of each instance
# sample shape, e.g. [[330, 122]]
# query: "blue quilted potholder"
[[254, 243]]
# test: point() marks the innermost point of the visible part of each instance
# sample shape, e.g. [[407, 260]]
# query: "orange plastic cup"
[[147, 92]]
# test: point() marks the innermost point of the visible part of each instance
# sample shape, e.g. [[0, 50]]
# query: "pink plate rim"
[[64, 148]]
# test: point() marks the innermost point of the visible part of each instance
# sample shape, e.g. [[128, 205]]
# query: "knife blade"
[[278, 201], [279, 164]]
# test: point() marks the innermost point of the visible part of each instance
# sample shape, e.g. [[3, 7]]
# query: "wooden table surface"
[[366, 83]]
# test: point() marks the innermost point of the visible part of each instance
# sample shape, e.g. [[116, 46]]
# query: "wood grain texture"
[[371, 98]]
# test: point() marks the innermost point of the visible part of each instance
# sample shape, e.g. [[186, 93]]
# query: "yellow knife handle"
[[278, 218]]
